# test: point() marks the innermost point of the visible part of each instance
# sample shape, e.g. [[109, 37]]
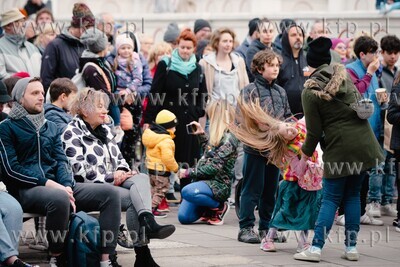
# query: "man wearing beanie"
[[37, 173], [160, 156], [251, 36], [16, 53], [345, 139], [202, 29], [171, 34], [61, 56]]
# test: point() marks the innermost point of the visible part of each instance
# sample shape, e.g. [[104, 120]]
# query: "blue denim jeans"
[[196, 197], [335, 190], [10, 225], [381, 181]]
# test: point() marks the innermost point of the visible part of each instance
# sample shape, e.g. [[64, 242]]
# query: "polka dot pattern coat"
[[91, 159]]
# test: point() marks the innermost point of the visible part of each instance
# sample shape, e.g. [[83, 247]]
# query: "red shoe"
[[219, 215], [163, 206], [158, 214], [206, 215]]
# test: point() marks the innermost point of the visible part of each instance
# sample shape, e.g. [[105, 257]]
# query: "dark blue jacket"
[[29, 158], [58, 116]]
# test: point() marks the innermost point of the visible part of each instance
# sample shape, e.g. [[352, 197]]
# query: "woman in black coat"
[[179, 86]]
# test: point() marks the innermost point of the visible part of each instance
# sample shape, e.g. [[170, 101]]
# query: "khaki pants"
[[159, 187]]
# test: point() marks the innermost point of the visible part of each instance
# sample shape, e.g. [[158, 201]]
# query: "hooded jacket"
[[347, 141], [160, 151], [254, 47], [291, 76], [223, 84], [61, 58], [17, 57], [29, 157]]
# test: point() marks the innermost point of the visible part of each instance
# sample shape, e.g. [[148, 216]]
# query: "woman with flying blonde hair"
[[206, 197], [299, 195]]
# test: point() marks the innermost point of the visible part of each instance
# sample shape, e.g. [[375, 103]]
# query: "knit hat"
[[123, 39], [11, 16], [253, 24], [172, 33], [19, 89], [200, 24], [319, 52], [336, 41], [94, 40], [166, 119], [4, 97], [82, 16]]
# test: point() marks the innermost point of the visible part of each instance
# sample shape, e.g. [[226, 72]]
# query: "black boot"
[[144, 258], [153, 229]]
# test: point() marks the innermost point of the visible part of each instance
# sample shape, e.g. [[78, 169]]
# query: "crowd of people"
[[309, 122]]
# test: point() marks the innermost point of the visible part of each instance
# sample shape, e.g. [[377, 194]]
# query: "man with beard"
[[16, 54], [291, 76]]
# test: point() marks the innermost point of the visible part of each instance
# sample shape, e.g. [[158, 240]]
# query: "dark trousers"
[[55, 205], [397, 166], [260, 184]]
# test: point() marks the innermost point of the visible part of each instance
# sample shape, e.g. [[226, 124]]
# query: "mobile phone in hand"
[[190, 128]]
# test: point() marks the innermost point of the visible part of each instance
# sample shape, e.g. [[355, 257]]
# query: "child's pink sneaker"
[[267, 245]]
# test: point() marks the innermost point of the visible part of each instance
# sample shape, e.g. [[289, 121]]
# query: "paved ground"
[[201, 245]]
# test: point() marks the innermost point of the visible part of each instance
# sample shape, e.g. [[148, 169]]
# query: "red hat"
[[21, 74]]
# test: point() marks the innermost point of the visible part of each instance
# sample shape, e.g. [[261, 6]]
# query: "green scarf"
[[178, 65]]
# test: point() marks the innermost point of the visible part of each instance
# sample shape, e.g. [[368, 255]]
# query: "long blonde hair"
[[266, 139], [221, 114]]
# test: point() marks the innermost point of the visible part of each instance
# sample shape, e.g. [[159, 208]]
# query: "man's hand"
[[373, 66]]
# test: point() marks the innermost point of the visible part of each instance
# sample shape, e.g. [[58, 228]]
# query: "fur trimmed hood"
[[327, 81]]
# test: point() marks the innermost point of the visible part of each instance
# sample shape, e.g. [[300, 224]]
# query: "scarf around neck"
[[178, 65], [19, 112]]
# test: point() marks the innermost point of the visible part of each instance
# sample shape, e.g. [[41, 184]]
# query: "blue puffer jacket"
[[29, 158]]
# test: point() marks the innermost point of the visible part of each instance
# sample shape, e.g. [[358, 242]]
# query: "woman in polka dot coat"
[[90, 147]]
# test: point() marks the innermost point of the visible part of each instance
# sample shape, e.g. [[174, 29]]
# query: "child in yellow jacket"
[[160, 155]]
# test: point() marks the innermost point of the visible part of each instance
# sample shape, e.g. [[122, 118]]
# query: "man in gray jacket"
[[17, 54]]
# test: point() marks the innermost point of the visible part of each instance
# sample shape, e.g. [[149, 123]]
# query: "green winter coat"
[[348, 143], [215, 167]]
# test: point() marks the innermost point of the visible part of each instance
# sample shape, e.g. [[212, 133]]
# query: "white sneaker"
[[373, 209], [397, 229], [351, 254], [369, 220], [387, 210], [310, 254], [340, 220]]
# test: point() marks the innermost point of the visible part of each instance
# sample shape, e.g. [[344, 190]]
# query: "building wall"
[[354, 15]]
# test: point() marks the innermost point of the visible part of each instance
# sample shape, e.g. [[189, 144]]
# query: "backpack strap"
[[168, 65], [99, 70]]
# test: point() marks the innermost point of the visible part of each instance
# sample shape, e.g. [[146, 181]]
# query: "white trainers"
[[397, 229], [310, 254], [340, 220], [387, 210], [369, 220], [373, 209], [351, 254]]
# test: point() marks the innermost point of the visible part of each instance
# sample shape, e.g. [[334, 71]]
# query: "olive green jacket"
[[348, 143]]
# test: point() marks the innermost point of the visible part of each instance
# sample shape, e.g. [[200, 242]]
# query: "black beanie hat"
[[200, 24], [319, 52]]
